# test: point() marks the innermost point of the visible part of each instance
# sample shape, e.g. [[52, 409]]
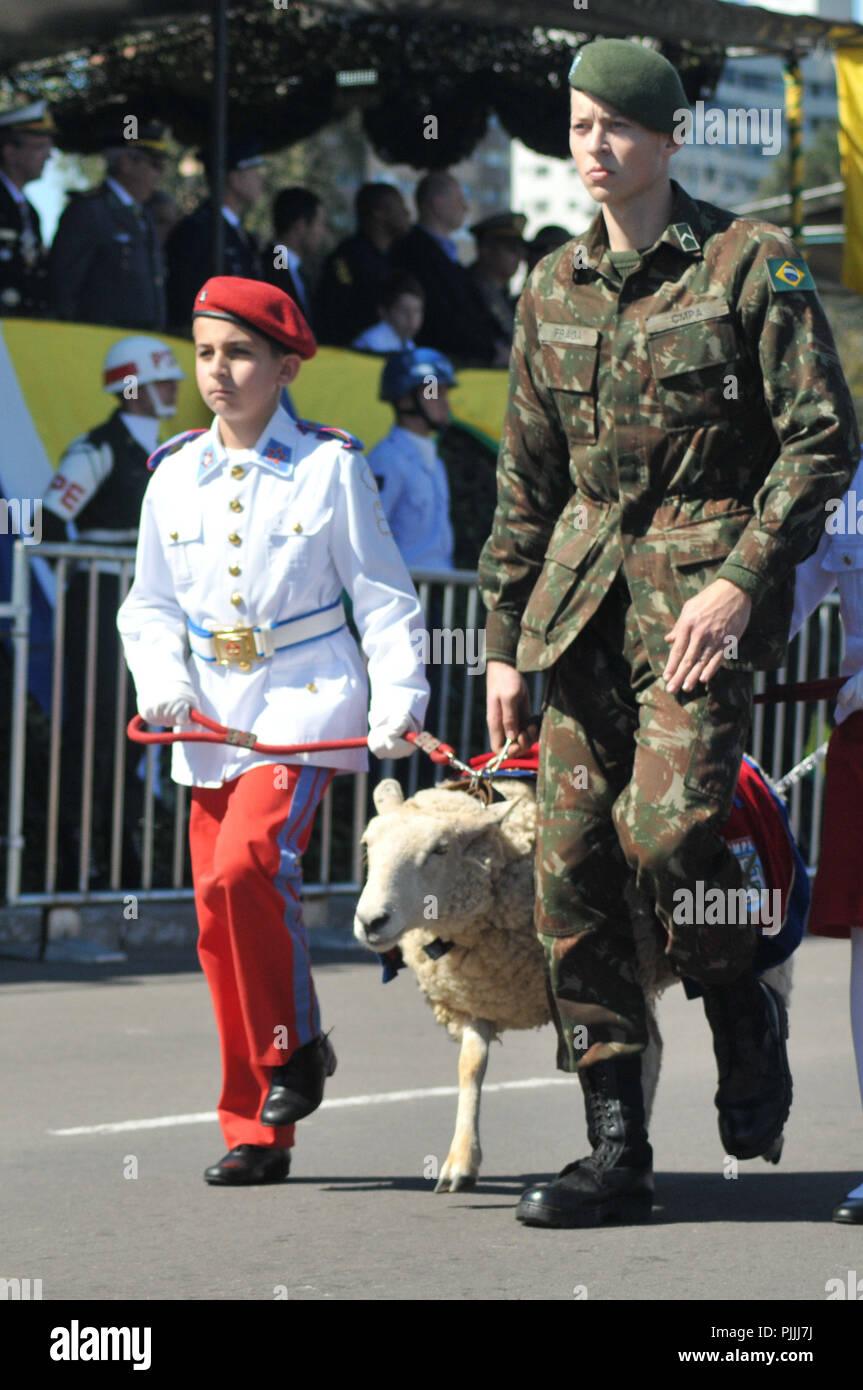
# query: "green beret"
[[638, 82]]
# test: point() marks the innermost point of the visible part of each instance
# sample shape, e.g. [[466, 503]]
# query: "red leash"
[[438, 751]]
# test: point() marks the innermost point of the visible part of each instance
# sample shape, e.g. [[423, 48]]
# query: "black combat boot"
[[297, 1088], [615, 1183], [749, 1025]]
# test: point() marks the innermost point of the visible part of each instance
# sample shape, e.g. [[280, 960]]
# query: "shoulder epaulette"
[[347, 441], [170, 446]]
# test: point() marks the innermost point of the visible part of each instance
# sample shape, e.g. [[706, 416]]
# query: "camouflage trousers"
[[634, 786]]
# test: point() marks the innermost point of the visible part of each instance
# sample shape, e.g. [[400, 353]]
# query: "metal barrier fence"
[[93, 818]]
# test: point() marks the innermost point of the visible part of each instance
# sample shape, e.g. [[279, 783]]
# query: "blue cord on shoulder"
[[170, 445]]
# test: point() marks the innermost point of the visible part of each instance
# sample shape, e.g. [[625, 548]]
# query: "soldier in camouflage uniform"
[[677, 420]]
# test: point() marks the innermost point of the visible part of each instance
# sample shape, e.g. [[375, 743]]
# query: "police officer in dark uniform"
[[25, 144], [500, 250], [95, 496], [189, 248], [356, 270], [106, 262]]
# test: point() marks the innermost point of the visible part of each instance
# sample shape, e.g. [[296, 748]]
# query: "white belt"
[[240, 646]]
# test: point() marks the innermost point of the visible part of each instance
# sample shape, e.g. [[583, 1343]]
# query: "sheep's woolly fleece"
[[495, 970]]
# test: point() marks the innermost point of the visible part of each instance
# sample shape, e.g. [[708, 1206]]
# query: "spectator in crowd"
[[25, 144], [409, 472], [163, 211], [300, 227], [189, 251], [547, 239], [500, 250], [95, 497], [106, 263], [348, 296], [456, 321], [400, 304]]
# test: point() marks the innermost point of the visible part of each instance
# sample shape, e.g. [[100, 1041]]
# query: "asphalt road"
[[358, 1218]]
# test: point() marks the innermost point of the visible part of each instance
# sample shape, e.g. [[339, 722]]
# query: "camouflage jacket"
[[687, 420]]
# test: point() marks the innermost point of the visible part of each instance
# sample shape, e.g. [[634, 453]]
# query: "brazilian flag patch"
[[788, 275]]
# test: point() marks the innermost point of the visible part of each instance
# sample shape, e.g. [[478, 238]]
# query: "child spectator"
[[249, 532], [401, 307], [408, 469]]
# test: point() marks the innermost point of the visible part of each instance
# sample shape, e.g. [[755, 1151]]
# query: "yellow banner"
[[57, 370], [849, 76]]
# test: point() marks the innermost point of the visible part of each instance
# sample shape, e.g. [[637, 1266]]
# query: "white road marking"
[[380, 1098]]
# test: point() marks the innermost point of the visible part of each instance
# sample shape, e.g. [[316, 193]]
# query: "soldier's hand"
[[700, 636], [508, 708]]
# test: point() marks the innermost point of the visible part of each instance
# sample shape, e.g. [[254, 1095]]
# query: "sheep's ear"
[[492, 816], [387, 795], [499, 810]]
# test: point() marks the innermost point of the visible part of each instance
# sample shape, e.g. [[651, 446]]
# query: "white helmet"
[[144, 360]]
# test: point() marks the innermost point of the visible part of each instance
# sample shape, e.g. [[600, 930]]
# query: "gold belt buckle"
[[235, 646]]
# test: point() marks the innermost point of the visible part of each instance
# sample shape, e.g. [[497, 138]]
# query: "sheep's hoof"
[[456, 1182], [774, 1153]]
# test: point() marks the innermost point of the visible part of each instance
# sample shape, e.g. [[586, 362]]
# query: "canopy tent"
[[288, 66], [34, 29]]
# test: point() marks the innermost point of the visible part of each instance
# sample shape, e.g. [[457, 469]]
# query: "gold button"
[[846, 559], [298, 528], [175, 535], [236, 505], [311, 686], [245, 665], [237, 471], [235, 539], [233, 569], [236, 599]]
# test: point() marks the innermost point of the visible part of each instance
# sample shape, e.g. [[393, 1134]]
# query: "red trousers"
[[247, 838], [837, 894]]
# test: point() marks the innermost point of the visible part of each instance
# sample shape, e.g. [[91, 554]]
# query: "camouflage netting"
[[283, 84]]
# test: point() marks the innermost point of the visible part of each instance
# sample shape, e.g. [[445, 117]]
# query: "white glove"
[[850, 697], [384, 740], [168, 707]]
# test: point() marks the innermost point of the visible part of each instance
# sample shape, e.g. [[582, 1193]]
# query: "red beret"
[[255, 304]]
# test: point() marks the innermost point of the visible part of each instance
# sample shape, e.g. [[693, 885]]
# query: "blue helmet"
[[407, 371]]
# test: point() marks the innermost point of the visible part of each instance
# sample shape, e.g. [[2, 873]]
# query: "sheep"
[[444, 867]]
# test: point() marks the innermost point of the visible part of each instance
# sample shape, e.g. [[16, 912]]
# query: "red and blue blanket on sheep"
[[759, 833]]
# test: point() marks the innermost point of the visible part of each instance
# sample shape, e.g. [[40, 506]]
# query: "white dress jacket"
[[251, 538]]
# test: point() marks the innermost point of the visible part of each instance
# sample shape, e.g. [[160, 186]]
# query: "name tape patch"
[[568, 333], [691, 313]]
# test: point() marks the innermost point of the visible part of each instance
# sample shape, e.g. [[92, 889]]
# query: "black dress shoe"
[[297, 1088], [850, 1211], [247, 1164]]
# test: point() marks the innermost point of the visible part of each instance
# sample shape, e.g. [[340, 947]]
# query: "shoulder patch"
[[171, 446], [347, 441], [791, 274]]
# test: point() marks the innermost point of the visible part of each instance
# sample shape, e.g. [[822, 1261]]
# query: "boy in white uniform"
[[249, 532]]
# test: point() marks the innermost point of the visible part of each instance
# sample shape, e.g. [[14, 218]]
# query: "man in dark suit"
[[106, 262], [456, 321], [189, 249], [299, 227], [25, 144], [355, 272]]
